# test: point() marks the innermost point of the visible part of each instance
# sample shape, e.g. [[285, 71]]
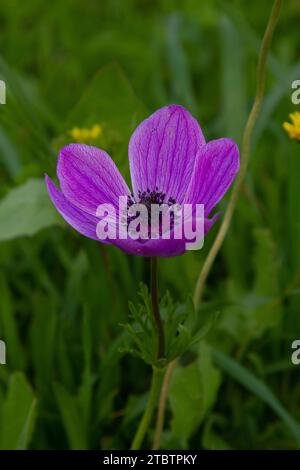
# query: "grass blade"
[[256, 386]]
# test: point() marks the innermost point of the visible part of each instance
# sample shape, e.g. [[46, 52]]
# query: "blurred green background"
[[63, 297]]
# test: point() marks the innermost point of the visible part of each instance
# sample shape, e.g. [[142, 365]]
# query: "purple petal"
[[82, 222], [160, 247], [162, 152], [216, 167], [88, 177], [86, 224]]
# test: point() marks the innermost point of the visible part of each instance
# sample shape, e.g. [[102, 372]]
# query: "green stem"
[[155, 307], [245, 152], [162, 404], [232, 203], [152, 401], [158, 373]]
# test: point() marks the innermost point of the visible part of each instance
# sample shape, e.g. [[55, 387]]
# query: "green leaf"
[[71, 417], [26, 209], [18, 415], [193, 391], [256, 386]]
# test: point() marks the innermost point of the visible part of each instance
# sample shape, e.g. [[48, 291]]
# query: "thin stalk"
[[157, 374], [155, 307], [147, 416], [245, 152], [162, 404]]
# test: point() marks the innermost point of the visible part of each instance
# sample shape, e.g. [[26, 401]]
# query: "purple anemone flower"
[[169, 161]]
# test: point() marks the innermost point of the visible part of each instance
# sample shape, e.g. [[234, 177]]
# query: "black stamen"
[[147, 198]]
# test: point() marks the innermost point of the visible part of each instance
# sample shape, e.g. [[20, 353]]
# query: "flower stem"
[[152, 401], [157, 374], [245, 152], [162, 404], [155, 307]]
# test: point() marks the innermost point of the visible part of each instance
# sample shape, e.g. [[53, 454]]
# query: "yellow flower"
[[95, 131], [85, 135], [293, 128]]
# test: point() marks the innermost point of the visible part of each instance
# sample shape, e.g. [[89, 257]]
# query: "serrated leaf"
[[181, 343]]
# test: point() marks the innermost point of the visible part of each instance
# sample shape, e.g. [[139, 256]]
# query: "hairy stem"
[[245, 152]]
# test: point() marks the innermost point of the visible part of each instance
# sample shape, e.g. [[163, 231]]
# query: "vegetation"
[[69, 381]]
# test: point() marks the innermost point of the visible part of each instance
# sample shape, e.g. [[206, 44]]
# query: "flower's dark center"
[[154, 197], [147, 199]]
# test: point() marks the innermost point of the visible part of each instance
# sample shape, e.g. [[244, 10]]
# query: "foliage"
[[63, 298], [182, 328]]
